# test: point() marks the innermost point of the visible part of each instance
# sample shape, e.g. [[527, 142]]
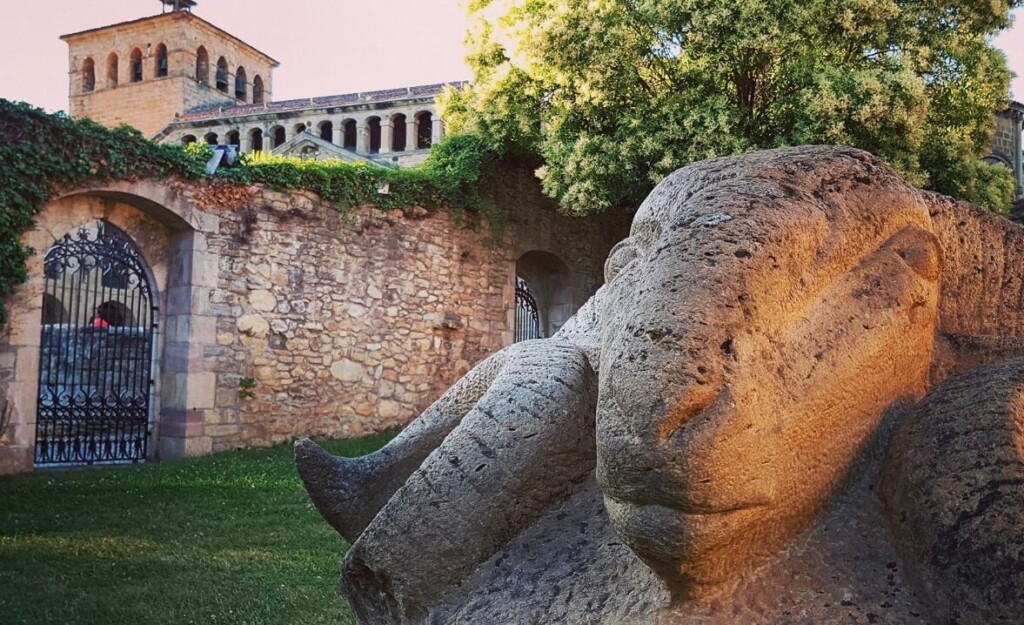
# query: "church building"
[[180, 79]]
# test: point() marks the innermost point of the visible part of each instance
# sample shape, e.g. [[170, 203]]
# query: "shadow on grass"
[[228, 538]]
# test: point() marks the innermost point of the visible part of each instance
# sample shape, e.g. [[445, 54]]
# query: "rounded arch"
[[373, 128], [325, 130], [106, 351], [153, 198], [257, 90], [135, 69], [161, 68], [115, 314], [188, 139], [88, 75], [278, 136], [424, 129], [550, 281], [233, 138], [256, 139], [211, 138], [202, 66], [299, 128], [997, 159], [54, 311], [170, 232], [349, 134], [103, 286], [241, 84], [399, 123], [112, 70], [222, 74]]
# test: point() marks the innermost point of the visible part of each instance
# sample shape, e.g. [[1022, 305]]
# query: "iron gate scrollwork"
[[527, 315], [96, 346]]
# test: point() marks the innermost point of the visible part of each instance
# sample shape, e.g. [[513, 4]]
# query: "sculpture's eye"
[[621, 255], [919, 249], [645, 237], [639, 244]]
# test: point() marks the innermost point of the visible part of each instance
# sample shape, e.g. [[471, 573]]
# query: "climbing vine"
[[41, 153], [450, 177]]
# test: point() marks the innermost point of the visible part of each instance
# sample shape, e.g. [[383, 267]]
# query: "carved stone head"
[[756, 326]]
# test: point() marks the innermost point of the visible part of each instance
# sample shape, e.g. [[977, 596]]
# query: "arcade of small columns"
[[401, 130]]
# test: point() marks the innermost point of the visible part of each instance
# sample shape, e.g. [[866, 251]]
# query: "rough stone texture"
[[528, 442], [954, 486], [761, 333], [347, 324], [775, 307], [980, 316], [1007, 143], [523, 443], [567, 568]]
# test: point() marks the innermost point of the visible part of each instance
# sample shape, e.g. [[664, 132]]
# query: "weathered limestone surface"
[[982, 285], [762, 333], [955, 490]]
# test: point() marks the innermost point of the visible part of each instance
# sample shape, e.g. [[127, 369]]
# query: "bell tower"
[[147, 72]]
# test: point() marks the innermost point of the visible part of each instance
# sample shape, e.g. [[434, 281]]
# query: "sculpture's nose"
[[659, 373]]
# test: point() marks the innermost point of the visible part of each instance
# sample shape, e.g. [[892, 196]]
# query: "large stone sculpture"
[[701, 443]]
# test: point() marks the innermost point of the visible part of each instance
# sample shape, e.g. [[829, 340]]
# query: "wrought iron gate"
[[527, 316], [96, 346]]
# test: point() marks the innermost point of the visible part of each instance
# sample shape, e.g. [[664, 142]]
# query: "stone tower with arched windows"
[[149, 71]]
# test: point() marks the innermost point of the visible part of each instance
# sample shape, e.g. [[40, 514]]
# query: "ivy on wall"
[[41, 153], [451, 177]]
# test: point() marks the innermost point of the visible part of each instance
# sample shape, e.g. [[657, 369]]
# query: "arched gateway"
[[96, 356], [527, 314]]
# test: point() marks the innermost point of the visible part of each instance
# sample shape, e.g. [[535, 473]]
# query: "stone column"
[[385, 136], [339, 132], [245, 141], [19, 366], [188, 388], [437, 131], [362, 137], [411, 134]]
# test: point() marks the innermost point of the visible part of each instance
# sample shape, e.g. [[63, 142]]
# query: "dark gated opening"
[[527, 315], [96, 346]]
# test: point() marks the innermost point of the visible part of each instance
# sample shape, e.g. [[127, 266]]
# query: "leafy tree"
[[612, 95]]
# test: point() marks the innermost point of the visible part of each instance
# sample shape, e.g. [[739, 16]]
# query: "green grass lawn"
[[229, 538]]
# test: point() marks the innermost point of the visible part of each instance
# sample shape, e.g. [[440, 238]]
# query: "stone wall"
[[1007, 145], [280, 317], [1003, 142], [346, 327]]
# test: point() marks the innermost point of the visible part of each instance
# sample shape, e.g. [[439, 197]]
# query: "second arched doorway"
[[544, 298]]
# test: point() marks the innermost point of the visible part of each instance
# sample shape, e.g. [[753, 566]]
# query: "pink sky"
[[361, 45]]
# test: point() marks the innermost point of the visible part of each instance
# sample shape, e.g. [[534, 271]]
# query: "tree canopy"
[[610, 96]]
